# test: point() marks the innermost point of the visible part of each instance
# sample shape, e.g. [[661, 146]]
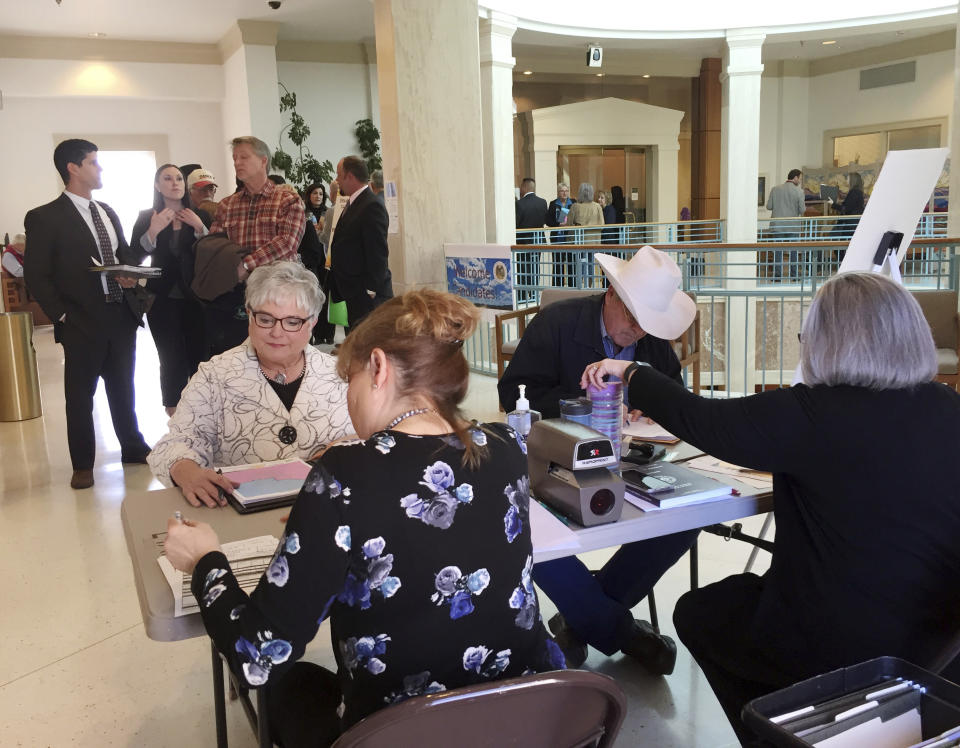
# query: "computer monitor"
[[830, 192]]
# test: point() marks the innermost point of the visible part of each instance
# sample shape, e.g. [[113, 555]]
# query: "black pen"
[[221, 494]]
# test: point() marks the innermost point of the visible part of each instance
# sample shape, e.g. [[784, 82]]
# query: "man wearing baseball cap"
[[202, 186], [634, 320]]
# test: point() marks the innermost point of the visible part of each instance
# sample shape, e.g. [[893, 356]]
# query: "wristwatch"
[[628, 372]]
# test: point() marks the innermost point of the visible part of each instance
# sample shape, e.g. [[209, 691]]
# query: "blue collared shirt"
[[610, 348]]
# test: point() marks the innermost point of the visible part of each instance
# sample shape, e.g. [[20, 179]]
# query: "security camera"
[[275, 4], [595, 57]]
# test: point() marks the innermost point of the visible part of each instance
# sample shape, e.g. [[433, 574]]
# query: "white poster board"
[[898, 198]]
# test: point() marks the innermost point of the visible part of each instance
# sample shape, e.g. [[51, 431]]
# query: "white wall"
[[836, 100], [795, 111], [331, 97], [46, 98]]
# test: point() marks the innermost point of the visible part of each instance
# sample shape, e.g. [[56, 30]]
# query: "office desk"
[[145, 513]]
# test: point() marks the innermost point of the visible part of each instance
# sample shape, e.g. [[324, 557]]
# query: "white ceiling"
[[200, 21]]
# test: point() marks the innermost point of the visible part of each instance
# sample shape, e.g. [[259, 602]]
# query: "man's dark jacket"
[[558, 344], [531, 211]]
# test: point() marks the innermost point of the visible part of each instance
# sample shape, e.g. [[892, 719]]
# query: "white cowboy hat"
[[649, 286]]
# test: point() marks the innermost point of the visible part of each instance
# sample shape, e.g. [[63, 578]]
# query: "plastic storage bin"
[[938, 705]]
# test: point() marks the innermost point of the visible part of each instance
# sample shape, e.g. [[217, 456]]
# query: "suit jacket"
[[531, 211], [56, 269], [171, 259], [558, 344], [358, 254]]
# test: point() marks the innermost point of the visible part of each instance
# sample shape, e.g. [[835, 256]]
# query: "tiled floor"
[[77, 668]]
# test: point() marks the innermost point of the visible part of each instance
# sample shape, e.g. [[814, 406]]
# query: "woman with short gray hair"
[[865, 497], [586, 212], [273, 397]]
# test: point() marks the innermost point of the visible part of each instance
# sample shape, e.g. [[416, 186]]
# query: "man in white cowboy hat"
[[641, 311]]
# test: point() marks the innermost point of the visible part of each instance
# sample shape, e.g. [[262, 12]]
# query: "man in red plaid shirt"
[[267, 222]]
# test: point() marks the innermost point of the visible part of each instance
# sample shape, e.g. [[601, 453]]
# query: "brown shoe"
[[81, 479]]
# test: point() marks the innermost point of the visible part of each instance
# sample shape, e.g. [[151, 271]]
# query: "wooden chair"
[[560, 709], [940, 309], [687, 346], [507, 347]]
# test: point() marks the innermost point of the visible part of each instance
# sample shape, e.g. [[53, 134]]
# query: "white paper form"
[[752, 478], [649, 432], [248, 559]]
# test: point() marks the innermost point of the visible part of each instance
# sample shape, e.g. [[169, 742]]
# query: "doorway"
[[604, 167]]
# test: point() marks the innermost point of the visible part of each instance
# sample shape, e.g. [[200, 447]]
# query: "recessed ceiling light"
[[599, 75], [528, 72], [831, 41], [645, 75], [97, 35]]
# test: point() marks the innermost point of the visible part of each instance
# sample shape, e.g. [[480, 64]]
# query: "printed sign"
[[486, 281]]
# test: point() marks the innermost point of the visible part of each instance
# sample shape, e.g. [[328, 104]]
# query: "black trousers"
[[302, 707], [177, 329], [713, 622], [110, 355], [226, 325]]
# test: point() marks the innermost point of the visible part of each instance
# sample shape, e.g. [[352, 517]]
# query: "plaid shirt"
[[268, 224]]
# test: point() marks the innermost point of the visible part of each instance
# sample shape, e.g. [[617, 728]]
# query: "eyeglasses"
[[268, 321]]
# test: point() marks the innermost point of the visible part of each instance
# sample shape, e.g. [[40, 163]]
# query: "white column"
[[664, 178], [252, 98], [953, 216], [496, 98], [740, 149], [427, 73]]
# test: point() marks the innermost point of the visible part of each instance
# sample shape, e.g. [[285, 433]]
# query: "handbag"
[[337, 313]]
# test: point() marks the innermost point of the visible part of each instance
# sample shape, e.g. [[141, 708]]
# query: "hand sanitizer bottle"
[[522, 418]]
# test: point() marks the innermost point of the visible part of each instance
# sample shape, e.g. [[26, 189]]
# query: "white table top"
[[145, 514]]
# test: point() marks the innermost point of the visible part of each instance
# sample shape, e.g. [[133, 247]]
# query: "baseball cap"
[[201, 178]]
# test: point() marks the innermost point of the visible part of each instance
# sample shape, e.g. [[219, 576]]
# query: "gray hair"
[[376, 178], [259, 147], [562, 186], [585, 192], [285, 281], [865, 330]]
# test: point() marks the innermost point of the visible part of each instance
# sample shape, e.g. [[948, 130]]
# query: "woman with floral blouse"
[[414, 541]]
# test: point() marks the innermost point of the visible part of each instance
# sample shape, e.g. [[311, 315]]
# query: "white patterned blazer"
[[229, 415]]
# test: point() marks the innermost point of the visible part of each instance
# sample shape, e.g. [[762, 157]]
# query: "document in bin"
[[248, 559], [549, 533], [752, 478]]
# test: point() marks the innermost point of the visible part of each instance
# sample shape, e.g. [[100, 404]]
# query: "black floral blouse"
[[422, 565]]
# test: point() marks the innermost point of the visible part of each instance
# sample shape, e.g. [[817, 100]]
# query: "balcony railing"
[[752, 299], [835, 228], [680, 232]]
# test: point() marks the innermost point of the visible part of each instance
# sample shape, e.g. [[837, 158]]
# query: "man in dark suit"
[[359, 271], [95, 317], [531, 211]]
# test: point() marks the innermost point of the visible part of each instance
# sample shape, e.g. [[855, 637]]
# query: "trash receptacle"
[[19, 384]]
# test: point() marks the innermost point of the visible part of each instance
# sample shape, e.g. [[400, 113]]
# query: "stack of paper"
[[752, 478], [265, 485], [648, 432], [248, 560]]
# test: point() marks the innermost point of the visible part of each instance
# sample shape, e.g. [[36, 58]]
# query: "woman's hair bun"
[[439, 315]]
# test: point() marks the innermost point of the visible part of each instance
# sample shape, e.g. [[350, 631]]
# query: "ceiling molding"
[[352, 53], [924, 45], [247, 32], [107, 50]]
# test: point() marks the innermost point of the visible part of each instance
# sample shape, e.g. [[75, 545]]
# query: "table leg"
[[219, 707], [694, 566], [263, 722]]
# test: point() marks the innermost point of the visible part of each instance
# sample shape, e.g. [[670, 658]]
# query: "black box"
[[939, 704]]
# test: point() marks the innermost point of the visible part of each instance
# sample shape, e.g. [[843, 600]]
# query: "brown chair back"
[[560, 709], [940, 309]]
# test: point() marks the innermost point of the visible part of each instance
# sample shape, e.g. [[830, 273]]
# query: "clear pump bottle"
[[522, 418]]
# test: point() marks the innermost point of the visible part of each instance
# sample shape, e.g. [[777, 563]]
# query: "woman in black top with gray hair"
[[866, 499]]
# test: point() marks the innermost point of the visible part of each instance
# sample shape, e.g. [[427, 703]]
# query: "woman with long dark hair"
[[315, 202], [167, 232]]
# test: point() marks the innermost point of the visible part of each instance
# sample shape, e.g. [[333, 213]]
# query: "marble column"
[[496, 98], [252, 96], [430, 124], [953, 216], [740, 148]]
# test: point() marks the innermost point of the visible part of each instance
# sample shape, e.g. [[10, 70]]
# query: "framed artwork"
[[761, 191]]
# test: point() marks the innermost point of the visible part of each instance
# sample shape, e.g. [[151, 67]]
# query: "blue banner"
[[486, 281]]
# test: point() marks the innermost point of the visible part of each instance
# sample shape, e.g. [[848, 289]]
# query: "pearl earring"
[[376, 386]]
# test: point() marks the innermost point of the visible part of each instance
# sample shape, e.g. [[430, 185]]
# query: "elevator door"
[[605, 167]]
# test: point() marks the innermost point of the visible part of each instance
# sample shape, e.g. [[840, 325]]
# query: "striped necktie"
[[114, 292]]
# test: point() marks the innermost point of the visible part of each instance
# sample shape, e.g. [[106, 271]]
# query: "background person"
[[866, 561], [558, 213], [415, 542], [201, 189], [167, 232], [607, 236], [315, 203], [271, 398], [786, 201], [13, 256]]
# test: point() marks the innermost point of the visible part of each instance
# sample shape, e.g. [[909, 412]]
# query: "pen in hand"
[[178, 516]]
